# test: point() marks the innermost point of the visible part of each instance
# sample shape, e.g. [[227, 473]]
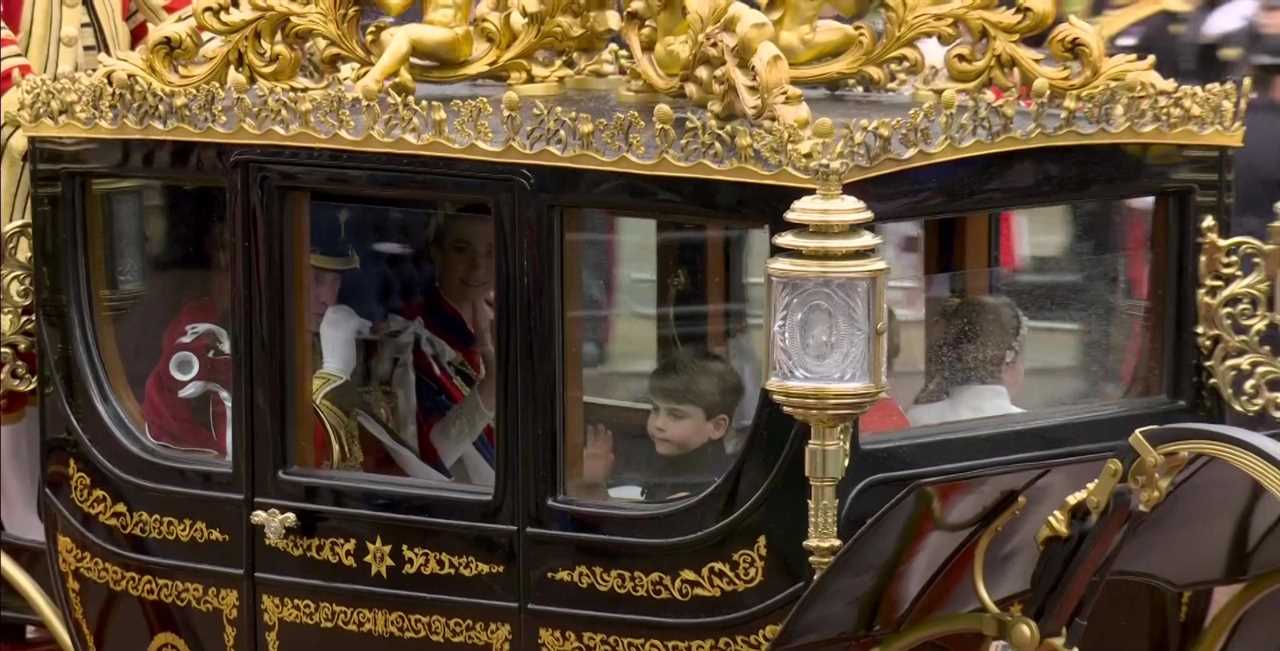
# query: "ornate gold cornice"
[[75, 563], [953, 124], [100, 505], [1237, 309], [743, 571], [379, 622]]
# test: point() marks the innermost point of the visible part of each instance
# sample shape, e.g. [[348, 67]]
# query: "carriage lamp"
[[827, 347]]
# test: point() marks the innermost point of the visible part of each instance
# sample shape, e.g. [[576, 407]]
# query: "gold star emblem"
[[379, 557]]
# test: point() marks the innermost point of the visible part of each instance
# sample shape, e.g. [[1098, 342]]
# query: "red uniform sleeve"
[[13, 61]]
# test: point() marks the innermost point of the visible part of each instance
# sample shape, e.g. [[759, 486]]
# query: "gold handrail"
[[39, 601]]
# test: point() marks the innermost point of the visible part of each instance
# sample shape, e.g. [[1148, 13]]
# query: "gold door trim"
[[554, 639], [379, 622], [101, 505], [75, 563], [420, 560], [743, 571], [338, 551]]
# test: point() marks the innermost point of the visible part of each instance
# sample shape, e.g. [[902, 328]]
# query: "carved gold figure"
[[444, 36], [803, 37]]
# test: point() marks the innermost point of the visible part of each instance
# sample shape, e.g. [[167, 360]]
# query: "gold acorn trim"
[[75, 563], [685, 143], [117, 515], [745, 570], [379, 622], [419, 560], [553, 639]]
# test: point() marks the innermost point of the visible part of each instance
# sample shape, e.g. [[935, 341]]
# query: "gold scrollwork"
[[379, 622], [167, 641], [552, 639], [420, 560], [17, 320], [714, 579], [1234, 317], [338, 551], [75, 563], [117, 515]]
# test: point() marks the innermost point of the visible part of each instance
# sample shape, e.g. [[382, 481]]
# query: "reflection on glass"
[[159, 260], [400, 309], [1023, 310], [663, 353]]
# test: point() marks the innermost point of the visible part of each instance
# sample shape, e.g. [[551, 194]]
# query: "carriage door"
[[141, 375], [383, 508]]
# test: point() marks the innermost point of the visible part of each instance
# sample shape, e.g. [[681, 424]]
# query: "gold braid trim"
[[75, 562], [344, 432], [714, 579], [552, 639], [117, 515], [379, 623]]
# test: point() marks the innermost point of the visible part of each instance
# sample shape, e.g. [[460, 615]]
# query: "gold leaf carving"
[[75, 563], [338, 551], [419, 560], [380, 623], [259, 40], [17, 319], [1234, 316], [117, 515], [551, 639], [744, 571]]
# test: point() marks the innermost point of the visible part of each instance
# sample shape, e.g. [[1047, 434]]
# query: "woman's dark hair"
[[465, 211], [981, 335]]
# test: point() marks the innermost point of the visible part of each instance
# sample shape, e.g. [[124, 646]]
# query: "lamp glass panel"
[[822, 331]]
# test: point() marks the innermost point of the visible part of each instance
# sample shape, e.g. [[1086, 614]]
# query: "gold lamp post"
[[827, 347]]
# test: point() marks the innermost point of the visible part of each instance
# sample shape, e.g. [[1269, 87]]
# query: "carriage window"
[[158, 260], [398, 363], [1024, 310], [663, 346]]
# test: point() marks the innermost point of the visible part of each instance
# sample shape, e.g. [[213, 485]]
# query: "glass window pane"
[[664, 343], [398, 367], [159, 272], [1023, 310]]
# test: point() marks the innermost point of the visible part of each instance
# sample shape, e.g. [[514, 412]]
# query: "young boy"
[[693, 396]]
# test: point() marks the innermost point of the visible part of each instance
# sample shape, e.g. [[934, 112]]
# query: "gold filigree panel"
[[77, 564], [744, 571], [1234, 305], [100, 505], [17, 318], [420, 560], [379, 623], [552, 639]]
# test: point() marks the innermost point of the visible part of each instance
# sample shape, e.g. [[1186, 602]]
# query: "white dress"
[[963, 403]]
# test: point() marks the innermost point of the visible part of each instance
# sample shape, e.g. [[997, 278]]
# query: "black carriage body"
[[232, 590]]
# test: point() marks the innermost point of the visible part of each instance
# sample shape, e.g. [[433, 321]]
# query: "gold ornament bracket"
[[1238, 309]]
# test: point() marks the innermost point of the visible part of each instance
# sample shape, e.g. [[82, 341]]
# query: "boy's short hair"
[[698, 378]]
